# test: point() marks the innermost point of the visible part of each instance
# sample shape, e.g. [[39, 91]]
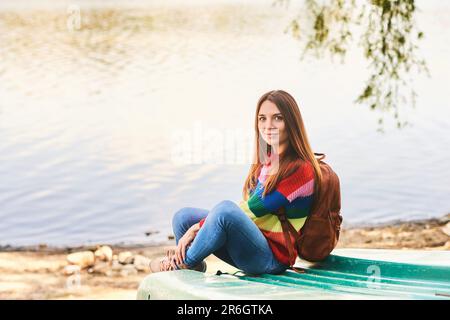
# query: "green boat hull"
[[347, 274]]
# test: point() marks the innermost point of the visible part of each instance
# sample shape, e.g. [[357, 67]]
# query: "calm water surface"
[[107, 129]]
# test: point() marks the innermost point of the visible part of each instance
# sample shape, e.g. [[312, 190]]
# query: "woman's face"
[[271, 124]]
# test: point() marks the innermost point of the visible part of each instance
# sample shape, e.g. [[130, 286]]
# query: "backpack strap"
[[287, 239], [288, 230]]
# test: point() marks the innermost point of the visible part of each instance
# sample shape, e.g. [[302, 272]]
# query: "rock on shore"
[[104, 262]]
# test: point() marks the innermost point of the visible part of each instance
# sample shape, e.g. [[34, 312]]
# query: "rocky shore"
[[114, 272]]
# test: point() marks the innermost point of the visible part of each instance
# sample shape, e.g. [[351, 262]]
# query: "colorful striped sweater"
[[295, 193]]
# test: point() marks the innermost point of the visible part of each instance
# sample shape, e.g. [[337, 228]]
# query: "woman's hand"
[[183, 243]]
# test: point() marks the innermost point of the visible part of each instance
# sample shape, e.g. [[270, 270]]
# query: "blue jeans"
[[230, 235]]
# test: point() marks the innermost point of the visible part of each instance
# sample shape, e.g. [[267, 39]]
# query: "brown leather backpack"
[[320, 233]]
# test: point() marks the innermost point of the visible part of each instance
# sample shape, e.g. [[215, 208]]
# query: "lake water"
[[111, 123]]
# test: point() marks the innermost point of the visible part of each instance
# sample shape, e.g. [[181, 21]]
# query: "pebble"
[[71, 269], [104, 253], [116, 266], [446, 229], [447, 245], [128, 270], [82, 259], [445, 219], [126, 257], [101, 268], [141, 263], [103, 262]]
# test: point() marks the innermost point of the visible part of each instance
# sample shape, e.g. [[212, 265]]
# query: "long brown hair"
[[297, 152]]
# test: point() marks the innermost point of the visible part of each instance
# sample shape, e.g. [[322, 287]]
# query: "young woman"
[[249, 236]]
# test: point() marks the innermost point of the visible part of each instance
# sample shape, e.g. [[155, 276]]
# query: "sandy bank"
[[37, 273]]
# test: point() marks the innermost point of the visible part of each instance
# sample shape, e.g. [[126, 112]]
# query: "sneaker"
[[163, 264], [167, 263], [201, 267]]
